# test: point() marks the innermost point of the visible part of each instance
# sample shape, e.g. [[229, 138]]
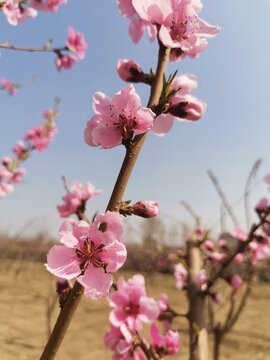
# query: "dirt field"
[[27, 289]]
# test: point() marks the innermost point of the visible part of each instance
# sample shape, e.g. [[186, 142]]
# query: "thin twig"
[[46, 48], [223, 197], [251, 176]]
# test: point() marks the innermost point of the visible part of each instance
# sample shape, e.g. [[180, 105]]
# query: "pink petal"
[[162, 124], [96, 283], [128, 100], [165, 37], [88, 132], [66, 235], [149, 310], [117, 316], [106, 136], [206, 29], [145, 119], [63, 262], [102, 104], [136, 29], [115, 255], [156, 336]]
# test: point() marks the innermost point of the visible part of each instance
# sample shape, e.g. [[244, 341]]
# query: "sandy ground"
[[27, 290]]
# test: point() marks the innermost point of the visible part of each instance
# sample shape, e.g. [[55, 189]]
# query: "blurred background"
[[233, 79]]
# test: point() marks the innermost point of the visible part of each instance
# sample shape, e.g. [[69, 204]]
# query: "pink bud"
[[146, 209], [238, 258], [129, 71], [216, 298], [261, 206], [6, 160], [236, 281], [201, 278], [216, 256], [209, 245], [223, 244]]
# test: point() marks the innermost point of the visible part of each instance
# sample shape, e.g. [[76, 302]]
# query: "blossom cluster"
[[8, 85], [175, 22], [37, 138], [131, 308], [18, 11], [76, 44]]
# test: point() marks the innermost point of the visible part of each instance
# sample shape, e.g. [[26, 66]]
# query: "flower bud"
[[146, 209], [129, 71], [190, 108], [261, 206], [236, 281]]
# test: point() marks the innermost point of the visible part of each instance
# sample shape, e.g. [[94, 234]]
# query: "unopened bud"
[[129, 71], [261, 206], [146, 209]]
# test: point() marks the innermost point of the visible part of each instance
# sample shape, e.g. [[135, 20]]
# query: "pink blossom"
[[19, 149], [201, 278], [8, 85], [262, 205], [209, 245], [137, 25], [239, 233], [146, 209], [183, 105], [236, 281], [89, 254], [180, 27], [163, 304], [76, 43], [17, 176], [117, 119], [164, 345], [65, 62], [41, 136], [47, 5], [259, 251], [120, 340], [15, 14], [129, 71], [5, 173], [180, 274], [216, 256], [131, 304], [6, 160], [74, 199], [238, 258], [222, 244], [5, 188]]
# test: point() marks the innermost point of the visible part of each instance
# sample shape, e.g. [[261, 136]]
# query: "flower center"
[[132, 309], [89, 254]]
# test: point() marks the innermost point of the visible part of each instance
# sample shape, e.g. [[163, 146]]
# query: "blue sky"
[[233, 79]]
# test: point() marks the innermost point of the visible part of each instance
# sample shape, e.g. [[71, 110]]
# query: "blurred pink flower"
[[236, 282], [131, 304], [74, 199], [47, 5], [15, 14], [164, 345], [180, 274], [8, 85], [65, 62], [76, 43], [239, 233]]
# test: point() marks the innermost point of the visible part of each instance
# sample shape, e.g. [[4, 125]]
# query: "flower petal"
[[63, 262]]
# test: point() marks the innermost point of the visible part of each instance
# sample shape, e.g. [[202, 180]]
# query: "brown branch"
[[46, 48], [132, 153]]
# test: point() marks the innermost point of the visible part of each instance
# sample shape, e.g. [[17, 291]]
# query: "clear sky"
[[233, 79]]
